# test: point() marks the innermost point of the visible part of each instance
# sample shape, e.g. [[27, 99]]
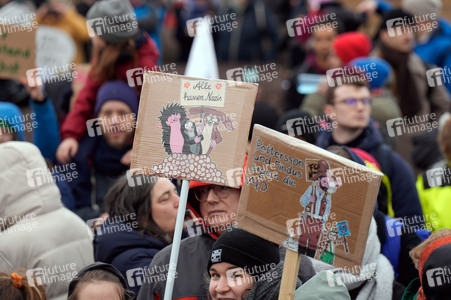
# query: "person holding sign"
[[244, 266], [215, 207], [350, 104]]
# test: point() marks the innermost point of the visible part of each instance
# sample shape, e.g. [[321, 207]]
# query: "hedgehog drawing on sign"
[[171, 119]]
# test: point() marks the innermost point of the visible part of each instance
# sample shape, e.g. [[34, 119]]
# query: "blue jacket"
[[126, 249], [437, 51], [46, 134], [404, 193], [42, 121]]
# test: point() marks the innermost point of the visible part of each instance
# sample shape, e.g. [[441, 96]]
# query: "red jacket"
[[75, 123]]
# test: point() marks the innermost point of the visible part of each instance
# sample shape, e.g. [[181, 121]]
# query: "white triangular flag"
[[202, 56]]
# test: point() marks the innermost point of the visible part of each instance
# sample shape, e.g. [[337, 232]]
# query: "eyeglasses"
[[353, 101], [201, 193]]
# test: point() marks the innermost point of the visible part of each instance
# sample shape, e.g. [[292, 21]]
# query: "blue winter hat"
[[117, 90], [11, 116], [381, 68]]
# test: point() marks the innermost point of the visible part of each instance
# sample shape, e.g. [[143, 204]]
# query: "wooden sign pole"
[[289, 275]]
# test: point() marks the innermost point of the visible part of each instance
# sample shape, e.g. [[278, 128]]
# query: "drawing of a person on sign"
[[317, 201]]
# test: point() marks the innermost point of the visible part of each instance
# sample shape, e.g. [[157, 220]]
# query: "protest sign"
[[192, 128], [17, 51], [54, 47], [308, 199]]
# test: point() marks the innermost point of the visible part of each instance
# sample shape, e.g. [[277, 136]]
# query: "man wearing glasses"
[[215, 208], [350, 106]]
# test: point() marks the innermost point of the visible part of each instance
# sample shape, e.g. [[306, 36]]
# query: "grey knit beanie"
[[422, 7], [113, 20]]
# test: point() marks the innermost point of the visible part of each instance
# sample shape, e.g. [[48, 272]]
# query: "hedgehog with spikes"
[[171, 119]]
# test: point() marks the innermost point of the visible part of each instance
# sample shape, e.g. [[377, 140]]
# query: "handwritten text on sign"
[[274, 163], [16, 52], [202, 93]]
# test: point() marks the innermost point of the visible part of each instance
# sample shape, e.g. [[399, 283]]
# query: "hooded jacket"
[[126, 249], [404, 194], [191, 278], [37, 232]]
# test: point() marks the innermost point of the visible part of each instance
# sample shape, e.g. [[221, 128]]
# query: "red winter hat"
[[351, 45]]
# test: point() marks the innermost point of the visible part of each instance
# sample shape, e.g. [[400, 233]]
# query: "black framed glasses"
[[201, 193], [353, 101]]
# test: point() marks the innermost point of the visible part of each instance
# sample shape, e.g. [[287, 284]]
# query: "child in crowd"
[[16, 287], [99, 281]]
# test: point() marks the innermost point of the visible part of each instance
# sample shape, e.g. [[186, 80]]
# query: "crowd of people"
[[371, 83]]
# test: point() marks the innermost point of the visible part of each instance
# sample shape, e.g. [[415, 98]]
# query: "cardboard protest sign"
[[192, 128], [307, 199], [17, 50]]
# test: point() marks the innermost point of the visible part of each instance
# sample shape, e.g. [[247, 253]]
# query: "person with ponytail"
[[16, 287]]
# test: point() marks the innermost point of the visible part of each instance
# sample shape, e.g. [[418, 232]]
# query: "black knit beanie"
[[437, 274], [245, 250]]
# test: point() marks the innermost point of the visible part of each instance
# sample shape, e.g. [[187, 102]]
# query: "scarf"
[[406, 90], [376, 276]]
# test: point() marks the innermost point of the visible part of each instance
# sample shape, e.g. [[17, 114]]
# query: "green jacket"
[[411, 292]]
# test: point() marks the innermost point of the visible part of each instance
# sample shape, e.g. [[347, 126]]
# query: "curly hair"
[[416, 252]]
